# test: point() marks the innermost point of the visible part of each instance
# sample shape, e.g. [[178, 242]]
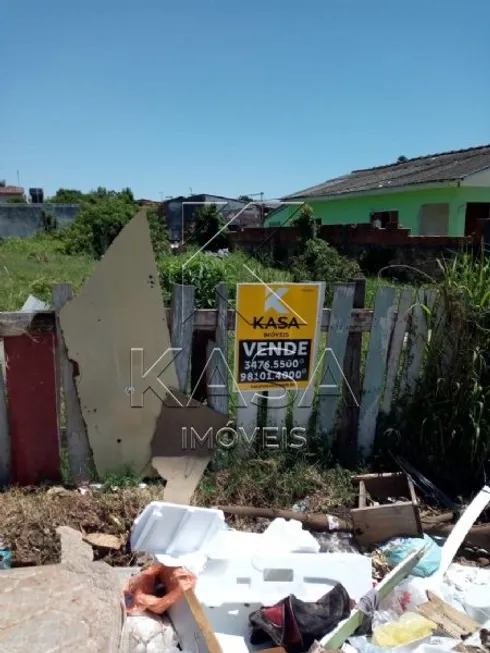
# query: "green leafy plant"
[[209, 231], [305, 223]]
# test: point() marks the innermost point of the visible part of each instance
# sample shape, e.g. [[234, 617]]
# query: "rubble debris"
[[103, 541], [311, 521], [425, 486], [74, 550], [395, 511], [150, 633], [177, 457], [398, 548], [120, 308], [5, 556]]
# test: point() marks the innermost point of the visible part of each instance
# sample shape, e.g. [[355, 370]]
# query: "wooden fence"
[[39, 379]]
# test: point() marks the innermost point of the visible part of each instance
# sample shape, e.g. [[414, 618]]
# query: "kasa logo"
[[273, 301]]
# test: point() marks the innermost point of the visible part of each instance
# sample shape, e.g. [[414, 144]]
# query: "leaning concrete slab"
[[61, 609], [120, 308]]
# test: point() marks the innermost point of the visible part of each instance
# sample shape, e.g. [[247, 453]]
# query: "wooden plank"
[[347, 440], [31, 388], [396, 346], [183, 308], [79, 452], [345, 629], [16, 323], [303, 401], [375, 369], [451, 621], [333, 362], [374, 524], [5, 448], [205, 320], [362, 494], [217, 356], [417, 339], [192, 625]]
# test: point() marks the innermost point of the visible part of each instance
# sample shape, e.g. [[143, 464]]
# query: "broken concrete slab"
[[120, 309], [74, 551], [183, 444], [61, 609]]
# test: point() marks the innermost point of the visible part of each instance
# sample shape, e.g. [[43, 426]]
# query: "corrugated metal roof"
[[442, 167]]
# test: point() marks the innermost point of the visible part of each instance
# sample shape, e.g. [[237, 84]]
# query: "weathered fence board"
[[417, 338], [182, 328], [347, 437], [79, 452], [32, 404], [333, 362], [396, 345], [374, 374], [217, 355]]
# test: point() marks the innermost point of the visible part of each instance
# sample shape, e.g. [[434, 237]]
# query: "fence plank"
[[396, 346], [183, 307], [303, 404], [375, 368], [5, 448], [347, 442], [333, 361], [79, 451], [31, 388], [418, 333], [217, 356]]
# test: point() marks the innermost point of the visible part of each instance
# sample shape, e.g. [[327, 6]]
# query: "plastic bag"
[[140, 591], [399, 548], [408, 628]]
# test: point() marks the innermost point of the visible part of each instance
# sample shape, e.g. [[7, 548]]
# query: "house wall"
[[357, 210], [22, 220]]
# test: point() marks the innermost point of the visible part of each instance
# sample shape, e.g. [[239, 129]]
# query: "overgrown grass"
[[444, 428]]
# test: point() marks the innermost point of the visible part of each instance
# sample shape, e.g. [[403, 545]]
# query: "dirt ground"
[[29, 518]]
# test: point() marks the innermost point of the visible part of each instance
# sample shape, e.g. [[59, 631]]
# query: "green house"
[[442, 194]]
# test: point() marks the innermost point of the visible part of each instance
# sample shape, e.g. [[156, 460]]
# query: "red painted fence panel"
[[32, 407]]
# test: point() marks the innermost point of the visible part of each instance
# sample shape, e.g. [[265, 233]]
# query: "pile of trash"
[[220, 590]]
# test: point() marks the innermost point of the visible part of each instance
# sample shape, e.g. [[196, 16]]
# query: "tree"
[[209, 222], [305, 223], [402, 159], [66, 196]]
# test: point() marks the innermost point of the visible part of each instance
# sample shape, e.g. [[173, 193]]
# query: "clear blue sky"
[[235, 96]]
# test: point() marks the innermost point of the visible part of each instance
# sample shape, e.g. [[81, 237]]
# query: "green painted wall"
[[357, 210]]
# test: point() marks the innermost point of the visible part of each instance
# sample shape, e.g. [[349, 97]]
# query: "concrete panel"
[[23, 220], [119, 308]]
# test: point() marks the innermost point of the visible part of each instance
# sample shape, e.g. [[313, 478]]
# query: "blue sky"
[[235, 96]]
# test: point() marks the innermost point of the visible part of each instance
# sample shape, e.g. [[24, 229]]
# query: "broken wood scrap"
[[451, 621]]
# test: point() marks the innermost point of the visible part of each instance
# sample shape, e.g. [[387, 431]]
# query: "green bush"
[[319, 261], [206, 271]]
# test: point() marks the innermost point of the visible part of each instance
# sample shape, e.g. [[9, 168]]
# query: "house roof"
[[11, 190], [432, 168]]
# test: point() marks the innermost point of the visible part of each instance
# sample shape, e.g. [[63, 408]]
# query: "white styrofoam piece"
[[231, 627], [175, 530], [281, 536], [290, 533], [32, 304], [267, 579]]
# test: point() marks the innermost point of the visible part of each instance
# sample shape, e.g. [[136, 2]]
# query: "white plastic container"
[[477, 603]]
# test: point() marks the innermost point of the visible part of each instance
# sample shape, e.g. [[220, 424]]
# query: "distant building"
[[179, 212], [8, 193]]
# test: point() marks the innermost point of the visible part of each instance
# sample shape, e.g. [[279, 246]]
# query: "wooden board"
[[451, 621], [332, 378], [192, 625], [374, 375], [375, 524], [33, 417], [116, 330]]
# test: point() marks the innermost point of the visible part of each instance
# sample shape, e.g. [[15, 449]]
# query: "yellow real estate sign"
[[277, 327]]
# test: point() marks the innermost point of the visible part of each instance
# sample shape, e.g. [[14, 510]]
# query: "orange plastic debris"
[[140, 591]]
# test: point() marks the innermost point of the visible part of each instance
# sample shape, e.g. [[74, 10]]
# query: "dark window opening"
[[384, 219], [477, 213]]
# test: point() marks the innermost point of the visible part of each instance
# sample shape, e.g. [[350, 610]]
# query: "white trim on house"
[[480, 178]]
